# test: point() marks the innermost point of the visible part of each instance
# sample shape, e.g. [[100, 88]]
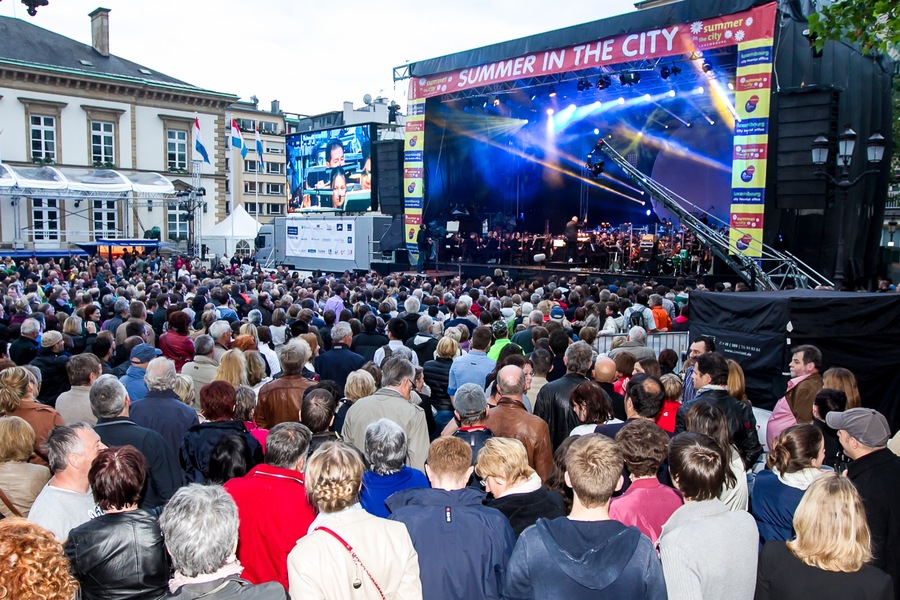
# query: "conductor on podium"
[[423, 241], [571, 235]]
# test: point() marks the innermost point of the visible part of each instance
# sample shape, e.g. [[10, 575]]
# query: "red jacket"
[[274, 513], [179, 348]]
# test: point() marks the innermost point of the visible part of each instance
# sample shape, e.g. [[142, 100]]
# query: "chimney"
[[100, 30], [276, 107]]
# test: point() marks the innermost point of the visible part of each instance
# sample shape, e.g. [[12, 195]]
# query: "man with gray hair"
[[635, 345], [137, 312], [161, 410], [120, 310], [386, 449], [280, 400], [423, 343], [552, 403], [340, 361], [110, 405], [411, 316], [392, 401], [66, 501], [523, 338], [273, 505], [25, 348], [510, 419], [200, 526], [221, 334], [202, 369]]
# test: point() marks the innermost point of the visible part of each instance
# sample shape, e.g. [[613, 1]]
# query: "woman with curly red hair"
[[32, 563]]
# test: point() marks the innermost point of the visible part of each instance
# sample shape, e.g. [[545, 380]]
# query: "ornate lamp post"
[[33, 5], [846, 146]]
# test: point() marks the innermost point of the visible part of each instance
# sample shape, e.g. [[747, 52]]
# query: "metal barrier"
[[676, 340]]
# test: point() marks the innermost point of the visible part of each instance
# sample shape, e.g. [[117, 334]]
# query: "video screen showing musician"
[[328, 168]]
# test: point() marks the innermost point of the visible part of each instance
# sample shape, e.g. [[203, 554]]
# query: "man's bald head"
[[511, 381], [605, 370]]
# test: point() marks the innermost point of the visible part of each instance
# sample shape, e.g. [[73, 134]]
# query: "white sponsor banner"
[[324, 238]]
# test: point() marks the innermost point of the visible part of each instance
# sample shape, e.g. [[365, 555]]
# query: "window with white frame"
[[273, 168], [268, 127], [43, 137], [275, 189], [274, 148], [251, 166], [103, 136], [45, 219], [105, 216], [176, 224], [250, 207], [176, 149], [246, 124], [276, 209], [250, 187]]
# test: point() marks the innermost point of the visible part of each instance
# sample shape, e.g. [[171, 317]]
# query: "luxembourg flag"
[[259, 149], [199, 148], [237, 140]]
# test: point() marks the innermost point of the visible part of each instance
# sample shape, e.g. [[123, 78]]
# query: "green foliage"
[[873, 24]]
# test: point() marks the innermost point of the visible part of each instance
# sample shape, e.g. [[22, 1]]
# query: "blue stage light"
[[550, 112], [596, 131], [671, 93]]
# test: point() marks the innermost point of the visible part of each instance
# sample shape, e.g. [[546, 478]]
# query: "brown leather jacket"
[[802, 396], [511, 419], [279, 400]]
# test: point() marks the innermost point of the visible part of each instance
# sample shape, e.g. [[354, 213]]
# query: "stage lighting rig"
[[603, 82], [583, 84], [594, 167], [552, 92], [665, 72], [707, 66], [630, 78]]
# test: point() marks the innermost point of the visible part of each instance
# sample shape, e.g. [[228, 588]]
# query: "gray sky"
[[310, 55]]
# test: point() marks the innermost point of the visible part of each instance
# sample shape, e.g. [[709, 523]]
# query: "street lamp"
[[892, 227], [846, 145]]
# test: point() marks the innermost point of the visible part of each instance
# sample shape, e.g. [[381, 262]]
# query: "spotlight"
[[533, 96], [550, 112], [676, 70], [649, 212], [583, 84], [647, 97], [665, 72], [629, 78], [699, 90], [707, 67], [621, 100], [496, 101], [671, 93], [596, 131], [730, 86], [603, 82], [595, 169], [552, 92], [572, 107]]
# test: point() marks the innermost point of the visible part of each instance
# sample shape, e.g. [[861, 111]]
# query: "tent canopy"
[[64, 181], [238, 225]]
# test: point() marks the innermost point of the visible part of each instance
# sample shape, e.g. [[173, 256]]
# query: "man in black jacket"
[[552, 403], [52, 361], [369, 340], [875, 471], [109, 403], [23, 350], [710, 379], [340, 361], [604, 375]]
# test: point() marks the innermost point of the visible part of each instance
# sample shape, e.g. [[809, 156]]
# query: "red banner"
[[728, 30]]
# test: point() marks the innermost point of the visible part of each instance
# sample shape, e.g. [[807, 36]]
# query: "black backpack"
[[636, 318]]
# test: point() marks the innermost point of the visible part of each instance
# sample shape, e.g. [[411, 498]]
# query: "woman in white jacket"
[[349, 553]]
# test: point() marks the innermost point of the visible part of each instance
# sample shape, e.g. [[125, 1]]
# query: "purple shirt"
[[335, 303], [647, 505]]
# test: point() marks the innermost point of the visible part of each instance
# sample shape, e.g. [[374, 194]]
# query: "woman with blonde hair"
[[349, 553], [839, 378], [437, 377], [827, 559], [794, 462], [18, 398], [20, 481], [517, 491], [232, 368], [206, 319], [32, 563], [256, 370], [737, 385], [360, 383], [75, 336]]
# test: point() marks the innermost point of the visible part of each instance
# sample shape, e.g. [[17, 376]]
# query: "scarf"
[[801, 479], [231, 567]]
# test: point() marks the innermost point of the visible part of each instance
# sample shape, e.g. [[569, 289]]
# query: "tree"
[[873, 24]]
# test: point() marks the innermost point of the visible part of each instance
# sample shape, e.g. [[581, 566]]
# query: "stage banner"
[[758, 23], [326, 238], [752, 91], [413, 170]]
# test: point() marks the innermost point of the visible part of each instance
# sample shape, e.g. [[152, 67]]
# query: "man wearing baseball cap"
[[500, 331], [51, 360], [133, 379], [875, 470]]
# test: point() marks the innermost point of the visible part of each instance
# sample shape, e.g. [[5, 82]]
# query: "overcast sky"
[[310, 55]]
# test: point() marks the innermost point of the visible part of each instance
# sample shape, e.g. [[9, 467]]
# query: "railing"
[[676, 340]]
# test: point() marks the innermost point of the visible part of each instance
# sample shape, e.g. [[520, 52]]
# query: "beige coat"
[[319, 566], [389, 404], [21, 482], [201, 370]]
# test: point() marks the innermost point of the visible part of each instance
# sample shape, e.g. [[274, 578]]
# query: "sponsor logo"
[[751, 103], [349, 240], [744, 243], [747, 174], [340, 227], [413, 141], [292, 230], [412, 233], [411, 188]]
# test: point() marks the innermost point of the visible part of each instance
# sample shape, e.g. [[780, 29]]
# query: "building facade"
[[80, 108]]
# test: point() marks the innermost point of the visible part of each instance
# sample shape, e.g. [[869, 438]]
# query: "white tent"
[[236, 231]]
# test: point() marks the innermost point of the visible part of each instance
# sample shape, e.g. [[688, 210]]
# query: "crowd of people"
[[180, 431]]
